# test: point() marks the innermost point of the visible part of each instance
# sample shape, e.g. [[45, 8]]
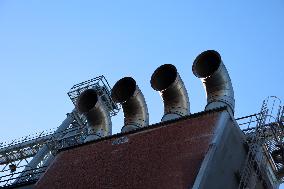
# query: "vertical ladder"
[[255, 156]]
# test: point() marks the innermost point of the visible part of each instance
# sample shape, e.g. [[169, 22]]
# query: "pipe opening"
[[163, 77], [87, 100], [206, 63], [123, 89]]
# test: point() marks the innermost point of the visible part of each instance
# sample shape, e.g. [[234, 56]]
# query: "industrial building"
[[206, 150]]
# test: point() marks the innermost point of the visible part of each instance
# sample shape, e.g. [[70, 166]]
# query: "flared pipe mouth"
[[123, 89], [206, 63], [163, 77], [87, 100]]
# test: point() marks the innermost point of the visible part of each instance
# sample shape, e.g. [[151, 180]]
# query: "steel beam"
[[43, 151]]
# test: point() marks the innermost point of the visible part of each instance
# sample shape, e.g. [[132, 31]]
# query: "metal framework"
[[25, 159], [264, 132], [18, 159], [100, 84]]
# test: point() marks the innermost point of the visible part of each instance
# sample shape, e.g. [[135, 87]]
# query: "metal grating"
[[100, 84]]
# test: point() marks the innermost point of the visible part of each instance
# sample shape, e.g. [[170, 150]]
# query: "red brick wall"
[[166, 156]]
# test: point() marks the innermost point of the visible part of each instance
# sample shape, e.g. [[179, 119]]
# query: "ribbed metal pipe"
[[209, 67], [91, 106], [127, 93], [168, 82]]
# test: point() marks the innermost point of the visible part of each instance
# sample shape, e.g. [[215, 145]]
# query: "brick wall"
[[166, 155]]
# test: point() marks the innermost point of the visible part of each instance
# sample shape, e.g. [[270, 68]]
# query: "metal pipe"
[[168, 82], [126, 92], [91, 106], [209, 67]]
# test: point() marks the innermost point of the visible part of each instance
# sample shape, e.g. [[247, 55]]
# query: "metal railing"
[[264, 133], [30, 176]]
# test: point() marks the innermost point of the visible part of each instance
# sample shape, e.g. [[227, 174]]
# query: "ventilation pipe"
[[126, 92], [168, 82], [91, 106], [208, 66]]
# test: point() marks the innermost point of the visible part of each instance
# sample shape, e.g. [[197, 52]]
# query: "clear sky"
[[48, 46]]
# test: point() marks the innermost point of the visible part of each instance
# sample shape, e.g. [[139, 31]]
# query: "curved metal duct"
[[168, 82], [126, 92], [208, 66], [90, 104]]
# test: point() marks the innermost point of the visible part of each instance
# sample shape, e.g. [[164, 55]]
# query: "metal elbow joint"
[[134, 106], [209, 67], [91, 106], [168, 82]]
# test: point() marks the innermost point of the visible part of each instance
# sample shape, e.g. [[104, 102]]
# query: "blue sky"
[[48, 46]]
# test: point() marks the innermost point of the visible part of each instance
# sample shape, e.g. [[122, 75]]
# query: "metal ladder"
[[255, 157]]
